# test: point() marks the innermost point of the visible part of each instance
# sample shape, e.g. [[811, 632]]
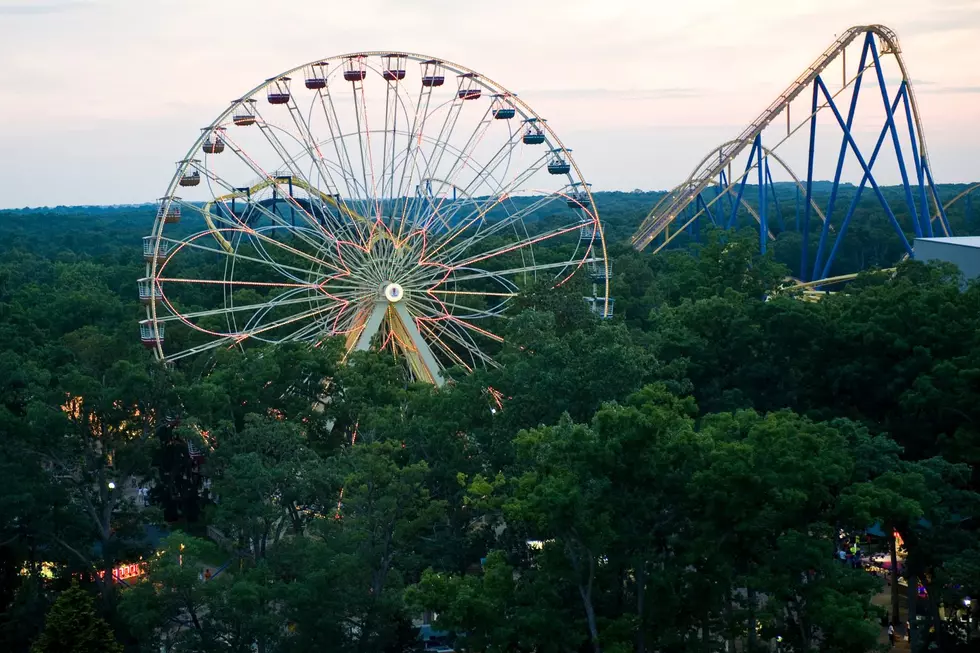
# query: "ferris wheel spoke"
[[504, 191], [498, 197], [475, 313], [413, 151], [518, 246], [483, 231], [430, 334], [489, 274], [451, 330], [467, 325], [200, 349], [311, 146], [249, 307], [256, 284], [236, 193], [323, 166], [442, 140], [281, 322], [489, 168], [388, 149], [340, 146], [193, 245], [266, 130], [364, 145]]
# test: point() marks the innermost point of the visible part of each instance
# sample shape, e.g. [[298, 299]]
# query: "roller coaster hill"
[[848, 119]]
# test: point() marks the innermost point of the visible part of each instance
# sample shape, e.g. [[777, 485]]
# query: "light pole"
[[966, 603], [112, 485]]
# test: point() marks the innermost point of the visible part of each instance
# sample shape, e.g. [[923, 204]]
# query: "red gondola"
[[432, 74], [355, 69], [394, 67], [169, 211], [151, 334], [215, 142], [278, 91], [316, 76], [469, 89], [149, 290], [244, 114], [191, 176], [150, 250]]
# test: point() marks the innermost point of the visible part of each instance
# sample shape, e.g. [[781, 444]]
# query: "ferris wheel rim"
[[528, 115]]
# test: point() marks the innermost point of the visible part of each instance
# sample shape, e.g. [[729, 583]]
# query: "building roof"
[[962, 241]]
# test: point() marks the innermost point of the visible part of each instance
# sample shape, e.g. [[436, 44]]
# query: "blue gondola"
[[559, 166]]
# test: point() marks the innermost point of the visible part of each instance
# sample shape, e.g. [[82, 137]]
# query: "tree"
[[72, 626]]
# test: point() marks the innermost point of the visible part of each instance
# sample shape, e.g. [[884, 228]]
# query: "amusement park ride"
[[397, 200], [715, 190], [394, 199]]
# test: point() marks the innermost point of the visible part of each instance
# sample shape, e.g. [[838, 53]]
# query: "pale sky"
[[99, 98]]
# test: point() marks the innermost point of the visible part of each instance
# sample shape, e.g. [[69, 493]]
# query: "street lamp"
[[112, 486], [967, 601]]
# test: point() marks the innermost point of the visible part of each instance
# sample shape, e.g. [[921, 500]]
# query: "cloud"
[[951, 90], [949, 19], [38, 9], [621, 94]]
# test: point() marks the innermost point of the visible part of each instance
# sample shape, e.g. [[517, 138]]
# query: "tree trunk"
[[590, 616], [912, 594], [893, 552], [641, 583], [585, 590], [750, 594]]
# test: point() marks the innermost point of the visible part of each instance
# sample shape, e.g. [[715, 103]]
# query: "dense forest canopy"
[[674, 479]]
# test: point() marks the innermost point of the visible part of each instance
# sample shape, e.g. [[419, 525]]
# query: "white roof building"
[[964, 251]]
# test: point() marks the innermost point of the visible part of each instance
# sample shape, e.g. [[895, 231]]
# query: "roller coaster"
[[716, 190]]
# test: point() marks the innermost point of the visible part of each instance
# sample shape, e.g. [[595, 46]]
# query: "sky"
[[98, 98]]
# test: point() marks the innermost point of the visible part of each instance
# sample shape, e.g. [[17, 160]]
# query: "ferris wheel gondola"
[[375, 202]]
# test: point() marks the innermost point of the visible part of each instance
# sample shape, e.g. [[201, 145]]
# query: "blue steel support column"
[[706, 209], [775, 198], [741, 185], [763, 200], [796, 209], [939, 202], [890, 122], [919, 163], [864, 165], [723, 179], [696, 225], [804, 258], [868, 43], [857, 194]]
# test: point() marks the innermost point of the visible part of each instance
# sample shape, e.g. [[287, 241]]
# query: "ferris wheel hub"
[[394, 292]]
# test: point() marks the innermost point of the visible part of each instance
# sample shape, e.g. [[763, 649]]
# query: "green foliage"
[[673, 479], [72, 626]]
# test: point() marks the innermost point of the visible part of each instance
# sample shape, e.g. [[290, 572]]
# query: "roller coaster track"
[[674, 203], [717, 154], [262, 185]]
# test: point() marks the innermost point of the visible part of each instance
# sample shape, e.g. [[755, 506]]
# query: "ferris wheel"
[[396, 200]]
